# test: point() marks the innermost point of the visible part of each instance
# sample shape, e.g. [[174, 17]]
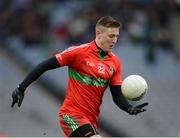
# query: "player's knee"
[[96, 136]]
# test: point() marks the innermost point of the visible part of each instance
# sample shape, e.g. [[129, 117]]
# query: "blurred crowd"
[[56, 24]]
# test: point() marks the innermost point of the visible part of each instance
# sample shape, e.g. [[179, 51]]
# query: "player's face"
[[108, 38]]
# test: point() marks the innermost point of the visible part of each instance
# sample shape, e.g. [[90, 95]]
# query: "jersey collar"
[[101, 54], [98, 49]]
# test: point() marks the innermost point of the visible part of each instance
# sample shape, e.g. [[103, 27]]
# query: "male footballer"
[[92, 67]]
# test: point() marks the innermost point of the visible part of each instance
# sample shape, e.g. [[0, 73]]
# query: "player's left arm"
[[123, 104], [118, 98]]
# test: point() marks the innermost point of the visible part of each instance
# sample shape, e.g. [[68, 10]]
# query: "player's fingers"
[[140, 111], [142, 105], [143, 110], [13, 103], [14, 100], [20, 102]]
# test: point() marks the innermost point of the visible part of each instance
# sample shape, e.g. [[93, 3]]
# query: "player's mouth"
[[111, 46]]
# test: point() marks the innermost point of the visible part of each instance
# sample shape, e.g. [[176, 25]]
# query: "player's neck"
[[98, 46], [103, 53]]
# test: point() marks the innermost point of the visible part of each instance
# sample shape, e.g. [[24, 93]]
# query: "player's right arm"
[[18, 93], [68, 57]]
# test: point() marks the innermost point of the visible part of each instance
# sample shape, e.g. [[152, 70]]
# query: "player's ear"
[[98, 32]]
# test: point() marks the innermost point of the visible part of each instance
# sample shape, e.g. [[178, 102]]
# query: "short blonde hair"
[[108, 21]]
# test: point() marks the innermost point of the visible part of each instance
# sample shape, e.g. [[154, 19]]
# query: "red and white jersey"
[[89, 76]]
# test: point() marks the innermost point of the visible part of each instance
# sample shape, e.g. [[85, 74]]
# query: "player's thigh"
[[76, 125]]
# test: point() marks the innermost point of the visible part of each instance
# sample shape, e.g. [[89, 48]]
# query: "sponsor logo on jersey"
[[91, 64]]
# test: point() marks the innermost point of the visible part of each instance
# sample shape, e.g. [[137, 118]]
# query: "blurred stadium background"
[[149, 45]]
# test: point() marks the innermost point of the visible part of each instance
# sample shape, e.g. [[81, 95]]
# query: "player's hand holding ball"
[[134, 88]]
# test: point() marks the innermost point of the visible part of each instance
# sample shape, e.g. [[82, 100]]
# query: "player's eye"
[[113, 36]]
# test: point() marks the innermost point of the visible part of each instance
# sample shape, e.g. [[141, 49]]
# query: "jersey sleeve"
[[70, 56], [117, 75]]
